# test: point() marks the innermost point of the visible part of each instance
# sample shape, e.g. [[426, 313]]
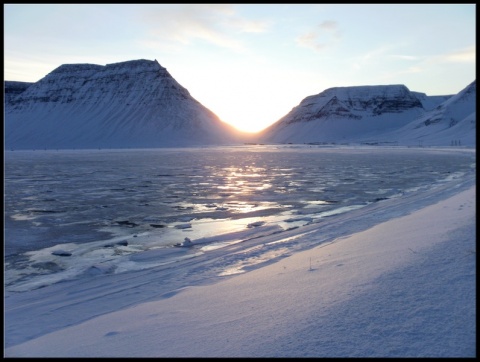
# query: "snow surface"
[[403, 286]]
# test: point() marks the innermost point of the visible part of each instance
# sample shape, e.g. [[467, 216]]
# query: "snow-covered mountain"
[[138, 104], [383, 114], [129, 104]]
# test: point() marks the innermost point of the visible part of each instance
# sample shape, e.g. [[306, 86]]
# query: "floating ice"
[[255, 224], [186, 243], [183, 226], [61, 252]]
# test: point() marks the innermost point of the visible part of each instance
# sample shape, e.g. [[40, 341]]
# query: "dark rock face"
[[129, 104], [394, 105], [335, 107], [13, 89]]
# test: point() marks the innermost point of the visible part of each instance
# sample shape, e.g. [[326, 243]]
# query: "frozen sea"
[[73, 214]]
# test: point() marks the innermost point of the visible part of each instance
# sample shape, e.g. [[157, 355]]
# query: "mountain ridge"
[[138, 104]]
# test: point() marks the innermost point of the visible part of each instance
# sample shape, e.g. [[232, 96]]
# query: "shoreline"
[[237, 308]]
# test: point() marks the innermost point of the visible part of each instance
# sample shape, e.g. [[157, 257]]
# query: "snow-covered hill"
[[129, 104], [383, 114]]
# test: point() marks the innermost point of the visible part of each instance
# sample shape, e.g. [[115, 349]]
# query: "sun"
[[248, 120]]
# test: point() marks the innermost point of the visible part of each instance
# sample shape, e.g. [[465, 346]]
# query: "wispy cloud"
[[217, 24], [466, 55], [325, 35], [371, 57], [424, 62], [376, 54]]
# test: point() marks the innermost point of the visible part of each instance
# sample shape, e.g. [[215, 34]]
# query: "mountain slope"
[[453, 122], [129, 104]]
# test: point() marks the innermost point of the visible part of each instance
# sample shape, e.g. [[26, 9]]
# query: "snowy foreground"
[[399, 282]]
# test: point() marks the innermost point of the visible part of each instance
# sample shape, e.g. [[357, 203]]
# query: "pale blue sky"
[[251, 64]]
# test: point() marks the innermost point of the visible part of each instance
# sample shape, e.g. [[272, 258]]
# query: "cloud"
[[326, 35], [459, 56], [466, 55], [375, 54], [217, 24], [370, 58], [385, 65], [422, 63]]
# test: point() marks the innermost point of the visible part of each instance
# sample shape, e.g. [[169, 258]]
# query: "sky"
[[402, 287], [252, 63]]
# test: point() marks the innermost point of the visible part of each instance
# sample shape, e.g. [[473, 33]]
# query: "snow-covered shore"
[[402, 288]]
